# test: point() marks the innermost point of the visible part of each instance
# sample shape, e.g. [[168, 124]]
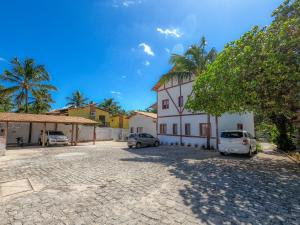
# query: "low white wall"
[[102, 133], [85, 133]]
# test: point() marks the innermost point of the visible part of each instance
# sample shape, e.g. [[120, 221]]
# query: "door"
[[149, 139], [120, 122]]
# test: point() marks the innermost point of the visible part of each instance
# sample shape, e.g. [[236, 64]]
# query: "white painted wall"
[[148, 124], [230, 121], [226, 121], [85, 133]]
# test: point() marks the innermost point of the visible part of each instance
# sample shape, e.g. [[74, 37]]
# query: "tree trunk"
[[208, 132], [26, 100], [283, 125], [30, 133], [217, 132], [26, 110]]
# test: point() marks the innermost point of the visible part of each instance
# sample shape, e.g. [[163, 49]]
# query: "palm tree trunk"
[[26, 100], [27, 110], [208, 132]]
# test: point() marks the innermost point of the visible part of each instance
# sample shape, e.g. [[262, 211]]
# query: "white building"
[[143, 122], [176, 125]]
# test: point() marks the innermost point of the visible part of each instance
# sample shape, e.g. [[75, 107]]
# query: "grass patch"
[[259, 147]]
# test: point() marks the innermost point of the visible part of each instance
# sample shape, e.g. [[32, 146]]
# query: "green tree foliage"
[[77, 99], [111, 106], [41, 101], [260, 72], [26, 77], [194, 61], [6, 104]]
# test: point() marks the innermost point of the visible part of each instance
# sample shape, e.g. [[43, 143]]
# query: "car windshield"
[[132, 135], [232, 134], [56, 133]]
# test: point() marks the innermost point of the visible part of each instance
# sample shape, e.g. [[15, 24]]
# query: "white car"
[[54, 138], [237, 141]]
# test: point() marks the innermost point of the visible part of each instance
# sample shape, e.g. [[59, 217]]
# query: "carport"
[[48, 119]]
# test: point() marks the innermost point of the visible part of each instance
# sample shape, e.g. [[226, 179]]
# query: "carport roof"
[[40, 118]]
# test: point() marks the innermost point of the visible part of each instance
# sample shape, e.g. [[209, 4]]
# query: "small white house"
[[143, 122]]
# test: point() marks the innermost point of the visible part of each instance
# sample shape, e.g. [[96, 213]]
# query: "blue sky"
[[118, 48]]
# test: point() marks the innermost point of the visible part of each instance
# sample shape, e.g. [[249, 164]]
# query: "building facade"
[[89, 111], [119, 121], [143, 122], [177, 125]]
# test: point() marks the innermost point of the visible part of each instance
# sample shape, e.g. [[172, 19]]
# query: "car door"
[[143, 139], [150, 139]]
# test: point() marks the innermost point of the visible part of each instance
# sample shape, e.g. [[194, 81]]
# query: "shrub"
[[259, 147]]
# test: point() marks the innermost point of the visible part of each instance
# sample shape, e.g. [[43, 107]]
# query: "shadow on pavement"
[[231, 189]]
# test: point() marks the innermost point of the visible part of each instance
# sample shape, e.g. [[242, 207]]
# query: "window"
[[232, 134], [165, 104], [139, 130], [142, 135], [240, 126], [163, 128], [205, 129], [102, 119], [131, 129], [180, 101], [187, 129], [148, 136], [175, 130], [132, 136]]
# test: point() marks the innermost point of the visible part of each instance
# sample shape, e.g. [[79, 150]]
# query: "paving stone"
[[110, 184]]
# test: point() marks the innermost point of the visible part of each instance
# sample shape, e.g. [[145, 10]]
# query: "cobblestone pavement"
[[110, 184]]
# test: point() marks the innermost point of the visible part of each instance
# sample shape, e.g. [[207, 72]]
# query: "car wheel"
[[156, 144], [250, 152], [138, 145], [130, 146], [222, 153]]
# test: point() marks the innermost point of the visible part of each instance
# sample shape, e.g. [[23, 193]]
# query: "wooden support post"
[[72, 135], [76, 134], [55, 126], [6, 134], [94, 135], [44, 135]]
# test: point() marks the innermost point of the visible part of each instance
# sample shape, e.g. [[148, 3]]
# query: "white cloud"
[[147, 49], [126, 3], [167, 50], [175, 32], [117, 94], [147, 63], [2, 59], [124, 76]]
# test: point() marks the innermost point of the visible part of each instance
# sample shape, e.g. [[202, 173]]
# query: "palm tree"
[[6, 103], [77, 99], [193, 62], [26, 77], [41, 101], [111, 106]]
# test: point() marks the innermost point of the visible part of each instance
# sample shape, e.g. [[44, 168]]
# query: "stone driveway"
[[110, 184]]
